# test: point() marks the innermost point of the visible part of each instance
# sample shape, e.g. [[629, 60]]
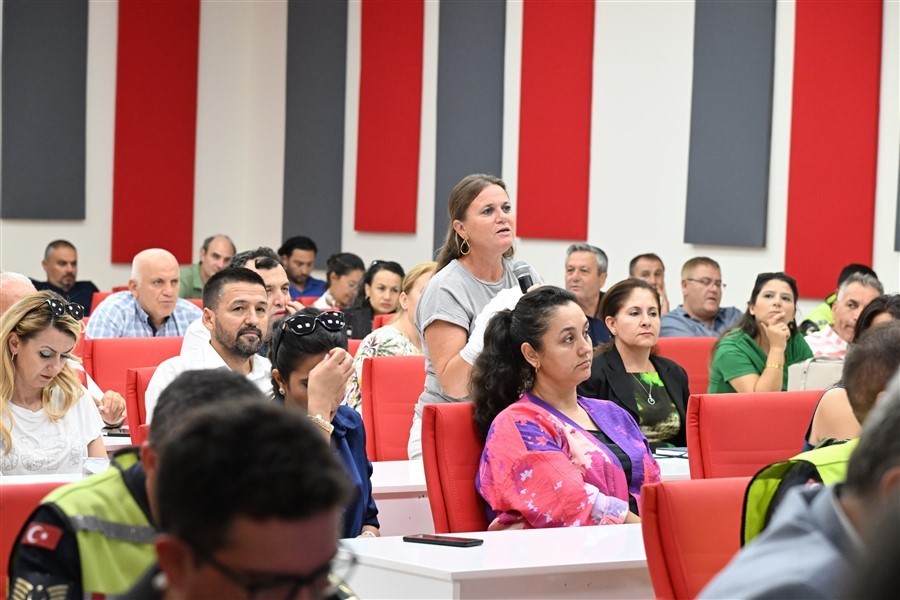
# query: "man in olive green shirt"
[[215, 254]]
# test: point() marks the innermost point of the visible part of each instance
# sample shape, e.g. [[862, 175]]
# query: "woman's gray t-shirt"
[[456, 296]]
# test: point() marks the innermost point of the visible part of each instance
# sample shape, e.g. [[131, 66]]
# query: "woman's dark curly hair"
[[501, 373]]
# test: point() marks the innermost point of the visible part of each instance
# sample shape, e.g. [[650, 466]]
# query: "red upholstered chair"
[[353, 346], [137, 381], [198, 302], [735, 435], [97, 298], [391, 386], [306, 300], [451, 451], [693, 354], [691, 530], [18, 501], [382, 320], [107, 360]]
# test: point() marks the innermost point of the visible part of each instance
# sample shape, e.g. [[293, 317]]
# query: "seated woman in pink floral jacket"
[[552, 458]]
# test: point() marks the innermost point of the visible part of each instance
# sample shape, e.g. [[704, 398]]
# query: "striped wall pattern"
[[612, 139]]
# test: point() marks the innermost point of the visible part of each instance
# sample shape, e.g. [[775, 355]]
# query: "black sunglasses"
[[59, 308], [304, 324]]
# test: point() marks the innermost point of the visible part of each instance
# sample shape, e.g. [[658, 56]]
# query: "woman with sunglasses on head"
[[48, 421], [398, 338], [551, 457], [653, 389], [475, 278], [310, 368], [345, 271], [754, 355], [379, 295]]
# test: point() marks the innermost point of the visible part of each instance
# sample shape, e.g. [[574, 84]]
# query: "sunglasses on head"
[[60, 308], [304, 324]]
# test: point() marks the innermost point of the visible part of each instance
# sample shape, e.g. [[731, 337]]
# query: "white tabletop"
[[606, 561]]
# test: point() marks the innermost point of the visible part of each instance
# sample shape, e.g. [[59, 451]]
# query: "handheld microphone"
[[522, 271]]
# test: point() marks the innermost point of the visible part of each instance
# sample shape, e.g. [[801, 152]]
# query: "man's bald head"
[[154, 282], [13, 287]]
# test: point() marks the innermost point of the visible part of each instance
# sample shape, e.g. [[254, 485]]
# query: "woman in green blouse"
[[755, 354]]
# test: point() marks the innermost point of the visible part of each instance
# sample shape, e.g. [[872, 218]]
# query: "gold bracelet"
[[774, 366], [321, 423]]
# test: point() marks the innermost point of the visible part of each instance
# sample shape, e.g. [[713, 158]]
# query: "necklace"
[[650, 400]]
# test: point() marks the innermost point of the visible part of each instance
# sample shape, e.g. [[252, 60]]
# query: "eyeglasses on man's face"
[[708, 282], [322, 583]]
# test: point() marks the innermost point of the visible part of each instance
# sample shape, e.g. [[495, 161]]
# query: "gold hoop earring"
[[465, 244]]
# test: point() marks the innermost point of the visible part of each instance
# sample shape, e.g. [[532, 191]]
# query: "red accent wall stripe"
[[834, 141], [156, 117], [390, 108], [555, 119]]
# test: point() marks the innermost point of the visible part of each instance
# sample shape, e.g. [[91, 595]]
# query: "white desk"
[[116, 442], [573, 562], [402, 500], [401, 497]]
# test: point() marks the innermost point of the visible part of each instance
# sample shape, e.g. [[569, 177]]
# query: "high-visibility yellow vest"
[[115, 539], [825, 465]]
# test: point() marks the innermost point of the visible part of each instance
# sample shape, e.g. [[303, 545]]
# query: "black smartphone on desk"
[[443, 540]]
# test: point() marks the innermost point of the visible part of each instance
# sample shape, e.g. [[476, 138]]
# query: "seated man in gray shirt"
[[700, 315]]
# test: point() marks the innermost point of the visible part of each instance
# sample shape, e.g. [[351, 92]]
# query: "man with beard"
[[263, 261], [235, 311], [61, 266]]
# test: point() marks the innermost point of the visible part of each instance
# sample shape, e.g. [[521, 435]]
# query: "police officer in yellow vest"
[[94, 538], [871, 363]]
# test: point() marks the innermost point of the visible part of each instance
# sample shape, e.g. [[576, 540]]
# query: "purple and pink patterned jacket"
[[540, 466]]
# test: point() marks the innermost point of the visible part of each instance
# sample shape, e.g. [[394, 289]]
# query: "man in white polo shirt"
[[235, 311]]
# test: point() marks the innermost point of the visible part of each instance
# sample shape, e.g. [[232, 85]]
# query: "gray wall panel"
[[470, 98], [731, 113], [44, 98], [314, 127]]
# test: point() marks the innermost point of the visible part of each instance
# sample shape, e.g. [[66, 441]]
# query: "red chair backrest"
[[451, 451], [107, 360], [198, 302], [391, 386], [137, 381], [691, 529], [97, 298], [382, 320], [353, 346], [18, 501], [306, 300], [735, 435], [693, 354]]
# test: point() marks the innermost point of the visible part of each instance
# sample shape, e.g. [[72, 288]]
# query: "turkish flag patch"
[[42, 535]]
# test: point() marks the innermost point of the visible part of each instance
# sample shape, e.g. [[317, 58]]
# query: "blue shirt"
[[81, 293], [120, 315], [314, 288], [349, 441], [677, 323]]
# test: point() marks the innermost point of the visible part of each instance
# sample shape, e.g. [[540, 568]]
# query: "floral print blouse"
[[540, 466]]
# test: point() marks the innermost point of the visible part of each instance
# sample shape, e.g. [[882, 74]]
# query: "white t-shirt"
[[41, 446], [203, 357]]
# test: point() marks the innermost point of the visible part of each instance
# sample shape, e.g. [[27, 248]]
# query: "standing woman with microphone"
[[475, 279]]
